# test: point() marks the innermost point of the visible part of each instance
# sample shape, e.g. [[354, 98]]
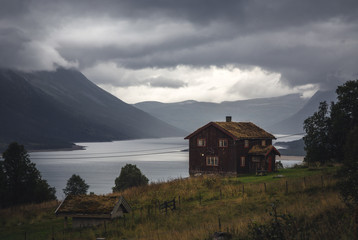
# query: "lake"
[[100, 163]]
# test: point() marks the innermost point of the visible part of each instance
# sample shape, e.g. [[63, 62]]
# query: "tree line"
[[332, 136], [21, 182]]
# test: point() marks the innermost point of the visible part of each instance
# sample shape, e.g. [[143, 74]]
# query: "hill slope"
[[190, 115], [53, 109], [294, 123]]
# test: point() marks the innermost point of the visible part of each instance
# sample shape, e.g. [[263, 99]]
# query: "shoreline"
[[73, 148]]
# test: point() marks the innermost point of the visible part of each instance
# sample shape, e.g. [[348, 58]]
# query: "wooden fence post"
[[304, 182], [265, 187], [286, 187], [243, 189], [322, 181], [221, 195], [219, 221]]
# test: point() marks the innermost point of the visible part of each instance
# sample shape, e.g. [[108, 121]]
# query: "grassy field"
[[205, 205]]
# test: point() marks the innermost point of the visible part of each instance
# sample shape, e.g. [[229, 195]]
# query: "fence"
[[225, 191]]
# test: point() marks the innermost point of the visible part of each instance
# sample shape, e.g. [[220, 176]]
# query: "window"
[[201, 142], [263, 142], [246, 144], [212, 161], [242, 162], [223, 142]]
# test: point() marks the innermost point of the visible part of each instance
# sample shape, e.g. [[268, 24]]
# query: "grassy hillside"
[[207, 204]]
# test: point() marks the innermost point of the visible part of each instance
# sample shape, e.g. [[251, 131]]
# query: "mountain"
[[190, 115], [294, 123], [54, 109]]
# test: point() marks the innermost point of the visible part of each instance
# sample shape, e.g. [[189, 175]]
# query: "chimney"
[[228, 118]]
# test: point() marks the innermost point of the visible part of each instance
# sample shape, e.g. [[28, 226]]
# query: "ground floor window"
[[212, 161]]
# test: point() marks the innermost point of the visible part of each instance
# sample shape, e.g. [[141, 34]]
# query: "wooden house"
[[92, 210], [231, 148]]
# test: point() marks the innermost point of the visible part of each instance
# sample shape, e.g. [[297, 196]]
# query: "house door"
[[269, 163]]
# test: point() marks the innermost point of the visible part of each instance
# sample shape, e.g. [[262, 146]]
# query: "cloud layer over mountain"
[[139, 48]]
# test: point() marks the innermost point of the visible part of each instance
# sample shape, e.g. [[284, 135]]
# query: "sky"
[[170, 50]]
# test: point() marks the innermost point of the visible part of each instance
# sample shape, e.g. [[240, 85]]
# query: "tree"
[[317, 140], [344, 116], [23, 181], [75, 186], [3, 185], [130, 176]]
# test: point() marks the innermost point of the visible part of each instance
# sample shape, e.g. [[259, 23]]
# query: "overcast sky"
[[170, 50]]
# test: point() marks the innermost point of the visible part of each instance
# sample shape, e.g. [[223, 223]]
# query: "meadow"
[[204, 205]]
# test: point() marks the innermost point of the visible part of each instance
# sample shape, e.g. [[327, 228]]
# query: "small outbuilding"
[[92, 210]]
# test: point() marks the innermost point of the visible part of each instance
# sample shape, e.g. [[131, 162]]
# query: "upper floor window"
[[223, 142], [201, 142], [212, 161], [263, 143], [246, 143]]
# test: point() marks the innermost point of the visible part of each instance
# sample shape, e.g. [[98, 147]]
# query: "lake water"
[[100, 163]]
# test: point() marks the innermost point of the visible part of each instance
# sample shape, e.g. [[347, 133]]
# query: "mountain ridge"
[[200, 113], [55, 109]]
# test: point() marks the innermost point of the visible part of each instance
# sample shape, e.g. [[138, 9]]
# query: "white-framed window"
[[212, 160], [246, 143], [263, 142], [201, 142], [242, 161], [223, 143]]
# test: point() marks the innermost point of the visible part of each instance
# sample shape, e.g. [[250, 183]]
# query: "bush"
[[279, 165], [280, 226], [130, 176], [75, 186]]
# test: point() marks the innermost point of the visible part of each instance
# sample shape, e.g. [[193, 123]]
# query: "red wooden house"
[[231, 148]]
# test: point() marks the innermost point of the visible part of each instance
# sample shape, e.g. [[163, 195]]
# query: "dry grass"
[[212, 203]]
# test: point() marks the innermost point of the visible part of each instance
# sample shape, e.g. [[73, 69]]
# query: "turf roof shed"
[[92, 210]]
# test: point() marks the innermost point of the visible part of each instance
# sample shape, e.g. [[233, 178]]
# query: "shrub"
[[130, 176], [75, 186]]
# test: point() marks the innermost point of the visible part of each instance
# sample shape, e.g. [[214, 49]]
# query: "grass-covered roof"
[[238, 130], [263, 150], [88, 204]]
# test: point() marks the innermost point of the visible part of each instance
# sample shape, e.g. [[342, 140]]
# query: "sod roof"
[[238, 130], [263, 150], [88, 204]]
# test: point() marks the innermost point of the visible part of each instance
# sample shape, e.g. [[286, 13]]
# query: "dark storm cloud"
[[12, 42], [306, 41]]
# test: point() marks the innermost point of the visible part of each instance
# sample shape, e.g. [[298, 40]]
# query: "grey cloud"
[[243, 33], [12, 42], [165, 82]]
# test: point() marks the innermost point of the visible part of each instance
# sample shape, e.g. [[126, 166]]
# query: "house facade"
[[231, 148]]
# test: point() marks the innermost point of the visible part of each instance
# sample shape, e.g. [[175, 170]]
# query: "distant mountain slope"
[[190, 115], [54, 109], [294, 123]]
